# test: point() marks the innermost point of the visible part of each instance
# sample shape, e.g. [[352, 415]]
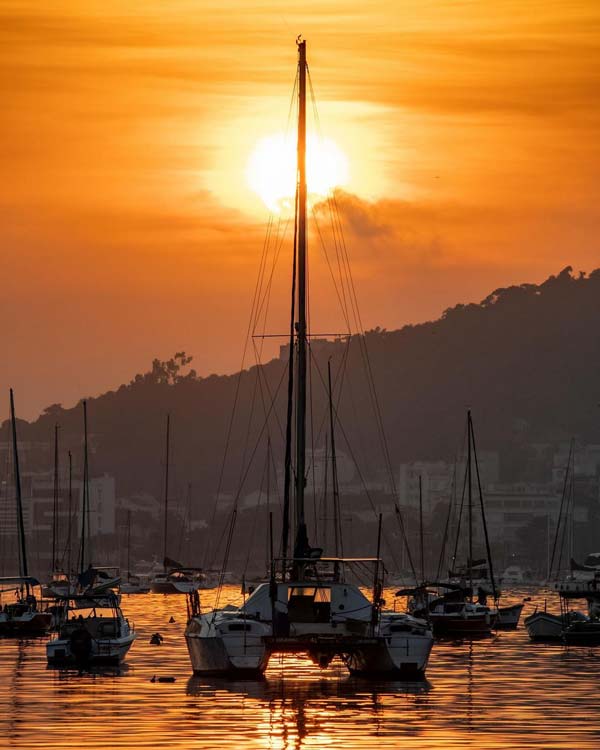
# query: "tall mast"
[[165, 529], [488, 549], [69, 515], [55, 501], [470, 496], [85, 495], [301, 546], [421, 545], [128, 544], [24, 572]]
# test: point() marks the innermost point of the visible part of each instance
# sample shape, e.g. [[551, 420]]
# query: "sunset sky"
[[129, 229]]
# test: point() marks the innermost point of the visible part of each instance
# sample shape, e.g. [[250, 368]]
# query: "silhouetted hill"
[[526, 360]]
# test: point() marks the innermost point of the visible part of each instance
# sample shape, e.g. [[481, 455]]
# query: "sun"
[[271, 169]]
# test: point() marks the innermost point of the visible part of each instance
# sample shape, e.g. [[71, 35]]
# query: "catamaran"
[[310, 604]]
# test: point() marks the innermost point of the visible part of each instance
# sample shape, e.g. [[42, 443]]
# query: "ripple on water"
[[503, 692]]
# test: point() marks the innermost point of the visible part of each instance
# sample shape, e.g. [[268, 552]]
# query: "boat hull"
[[462, 627], [582, 634], [508, 617], [212, 657], [104, 651], [543, 626], [395, 658], [167, 587], [29, 625]]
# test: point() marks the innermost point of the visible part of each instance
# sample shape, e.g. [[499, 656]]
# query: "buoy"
[[171, 619]]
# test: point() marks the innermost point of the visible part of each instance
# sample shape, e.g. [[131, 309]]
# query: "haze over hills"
[[525, 360]]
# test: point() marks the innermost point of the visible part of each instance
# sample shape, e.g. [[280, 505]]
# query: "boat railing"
[[327, 569]]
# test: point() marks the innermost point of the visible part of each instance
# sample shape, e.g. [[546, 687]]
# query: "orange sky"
[[129, 232]]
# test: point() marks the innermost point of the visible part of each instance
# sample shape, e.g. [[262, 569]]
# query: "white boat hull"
[[508, 617], [233, 645], [103, 650], [543, 626], [397, 657]]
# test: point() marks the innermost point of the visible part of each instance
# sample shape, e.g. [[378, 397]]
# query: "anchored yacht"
[[315, 612]]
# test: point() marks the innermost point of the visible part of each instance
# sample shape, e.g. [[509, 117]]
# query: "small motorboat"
[[454, 613], [179, 581], [134, 585], [508, 617], [24, 615], [92, 630], [582, 633], [546, 626]]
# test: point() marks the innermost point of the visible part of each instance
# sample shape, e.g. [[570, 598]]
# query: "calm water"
[[503, 692]]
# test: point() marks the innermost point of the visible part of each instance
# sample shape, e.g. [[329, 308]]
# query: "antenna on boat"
[[301, 546]]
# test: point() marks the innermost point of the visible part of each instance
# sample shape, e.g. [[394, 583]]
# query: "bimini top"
[[91, 601], [12, 581]]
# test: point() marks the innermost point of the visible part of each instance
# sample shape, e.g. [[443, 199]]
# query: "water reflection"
[[499, 692]]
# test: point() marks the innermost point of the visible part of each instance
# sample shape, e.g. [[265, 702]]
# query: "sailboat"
[[310, 605], [456, 611], [22, 615], [132, 584], [174, 578], [60, 583], [91, 579]]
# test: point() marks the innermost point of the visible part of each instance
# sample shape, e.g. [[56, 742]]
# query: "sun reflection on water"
[[500, 692]]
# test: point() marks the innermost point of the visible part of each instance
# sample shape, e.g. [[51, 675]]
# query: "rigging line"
[[360, 474], [568, 511], [250, 420], [290, 395], [451, 503], [373, 392], [312, 437], [459, 520], [485, 530], [264, 385], [251, 459], [267, 297], [560, 512], [233, 410], [251, 537], [264, 302], [338, 379], [331, 273], [462, 457], [237, 499], [255, 311], [338, 252]]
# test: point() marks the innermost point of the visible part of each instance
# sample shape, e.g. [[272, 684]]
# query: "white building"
[[437, 479]]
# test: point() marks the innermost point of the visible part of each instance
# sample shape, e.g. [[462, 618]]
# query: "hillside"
[[526, 360]]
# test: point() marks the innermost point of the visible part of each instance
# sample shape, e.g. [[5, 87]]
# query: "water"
[[502, 692]]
